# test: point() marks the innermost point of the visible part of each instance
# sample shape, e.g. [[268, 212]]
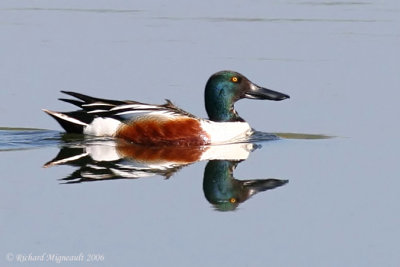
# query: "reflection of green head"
[[225, 192], [220, 188]]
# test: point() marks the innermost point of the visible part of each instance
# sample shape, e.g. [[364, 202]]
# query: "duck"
[[167, 124]]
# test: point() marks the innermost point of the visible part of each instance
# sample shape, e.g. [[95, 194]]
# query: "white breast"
[[226, 132]]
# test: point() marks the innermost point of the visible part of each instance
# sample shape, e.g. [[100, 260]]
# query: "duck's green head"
[[224, 88]]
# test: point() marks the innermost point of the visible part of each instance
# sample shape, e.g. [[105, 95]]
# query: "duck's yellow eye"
[[232, 200], [234, 79]]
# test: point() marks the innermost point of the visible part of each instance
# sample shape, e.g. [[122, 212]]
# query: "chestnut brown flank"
[[150, 131]]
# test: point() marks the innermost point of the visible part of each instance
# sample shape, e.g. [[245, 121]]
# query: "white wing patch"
[[132, 115], [135, 106], [97, 104]]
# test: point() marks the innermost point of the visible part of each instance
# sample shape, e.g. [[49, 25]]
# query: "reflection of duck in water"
[[167, 124], [116, 159], [225, 192], [121, 160]]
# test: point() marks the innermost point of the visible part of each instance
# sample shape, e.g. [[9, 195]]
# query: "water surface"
[[338, 60]]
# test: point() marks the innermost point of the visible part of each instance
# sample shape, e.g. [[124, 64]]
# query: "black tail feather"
[[68, 126], [88, 99], [71, 156], [73, 102], [71, 126]]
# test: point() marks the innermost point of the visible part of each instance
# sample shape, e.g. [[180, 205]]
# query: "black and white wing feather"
[[121, 111]]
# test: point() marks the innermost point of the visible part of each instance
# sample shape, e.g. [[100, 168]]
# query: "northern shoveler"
[[167, 124]]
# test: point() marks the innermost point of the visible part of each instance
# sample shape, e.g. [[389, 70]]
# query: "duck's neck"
[[215, 113], [220, 107]]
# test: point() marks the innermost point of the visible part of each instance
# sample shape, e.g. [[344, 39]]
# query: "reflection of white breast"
[[228, 152], [226, 132]]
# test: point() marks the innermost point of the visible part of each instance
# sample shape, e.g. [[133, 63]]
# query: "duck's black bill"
[[257, 92]]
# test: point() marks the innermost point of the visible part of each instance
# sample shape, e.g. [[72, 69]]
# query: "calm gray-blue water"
[[302, 200]]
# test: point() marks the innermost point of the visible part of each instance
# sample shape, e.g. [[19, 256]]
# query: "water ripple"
[[12, 139], [85, 10], [24, 138]]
